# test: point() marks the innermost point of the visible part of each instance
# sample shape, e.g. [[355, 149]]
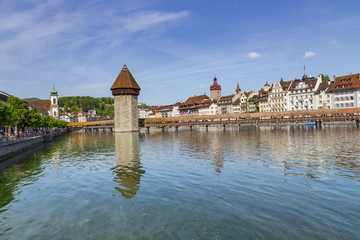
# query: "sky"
[[173, 49]]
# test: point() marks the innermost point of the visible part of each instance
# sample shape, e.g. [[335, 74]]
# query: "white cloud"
[[253, 55], [309, 54]]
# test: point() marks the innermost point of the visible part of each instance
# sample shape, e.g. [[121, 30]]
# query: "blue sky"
[[173, 48]]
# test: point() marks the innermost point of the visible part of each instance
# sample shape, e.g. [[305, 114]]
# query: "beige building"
[[322, 98], [277, 97], [263, 99]]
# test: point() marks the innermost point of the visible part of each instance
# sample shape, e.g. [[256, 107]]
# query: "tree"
[[20, 110], [74, 109], [325, 78], [261, 90], [7, 115], [109, 110], [143, 105]]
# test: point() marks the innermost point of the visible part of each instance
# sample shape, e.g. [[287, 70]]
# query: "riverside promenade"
[[10, 146]]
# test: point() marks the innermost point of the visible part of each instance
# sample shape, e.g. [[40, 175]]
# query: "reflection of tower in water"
[[128, 169]]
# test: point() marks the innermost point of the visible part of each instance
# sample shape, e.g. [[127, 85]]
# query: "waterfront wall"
[[11, 148]]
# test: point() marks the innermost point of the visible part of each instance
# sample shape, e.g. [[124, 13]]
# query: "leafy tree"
[[74, 109], [20, 110], [7, 115], [109, 110], [261, 90], [143, 105], [325, 78]]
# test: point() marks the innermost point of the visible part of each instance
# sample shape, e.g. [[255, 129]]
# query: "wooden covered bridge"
[[293, 117]]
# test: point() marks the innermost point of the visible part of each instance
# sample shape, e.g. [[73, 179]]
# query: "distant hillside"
[[103, 106], [32, 99]]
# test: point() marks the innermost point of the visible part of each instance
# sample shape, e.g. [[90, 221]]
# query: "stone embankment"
[[13, 147]]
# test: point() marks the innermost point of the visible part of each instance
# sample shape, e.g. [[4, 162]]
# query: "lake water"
[[252, 183]]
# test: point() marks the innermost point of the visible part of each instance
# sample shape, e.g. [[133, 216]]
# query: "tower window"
[[54, 113], [54, 101]]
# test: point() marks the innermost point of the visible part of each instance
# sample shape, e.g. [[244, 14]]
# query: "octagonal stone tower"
[[125, 91]]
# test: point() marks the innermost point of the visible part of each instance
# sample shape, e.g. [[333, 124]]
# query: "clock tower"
[[215, 90]]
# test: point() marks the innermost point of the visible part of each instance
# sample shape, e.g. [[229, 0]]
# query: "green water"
[[256, 183]]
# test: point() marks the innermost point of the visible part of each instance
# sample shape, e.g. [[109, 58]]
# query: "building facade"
[[322, 98], [277, 97], [301, 93], [345, 91]]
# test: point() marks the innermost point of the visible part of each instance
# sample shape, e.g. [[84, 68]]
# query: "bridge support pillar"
[[239, 126], [191, 127], [148, 129], [176, 128], [358, 123], [207, 127], [224, 127]]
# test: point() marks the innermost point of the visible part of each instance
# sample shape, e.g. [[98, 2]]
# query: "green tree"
[[21, 112], [7, 115], [74, 109], [143, 105], [109, 110], [325, 78]]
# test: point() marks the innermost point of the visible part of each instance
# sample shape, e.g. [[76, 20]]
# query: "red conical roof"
[[215, 85]]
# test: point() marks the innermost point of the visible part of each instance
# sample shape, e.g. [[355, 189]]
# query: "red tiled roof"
[[345, 82], [39, 105], [196, 99]]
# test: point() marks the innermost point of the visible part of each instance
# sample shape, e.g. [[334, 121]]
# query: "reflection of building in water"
[[128, 170]]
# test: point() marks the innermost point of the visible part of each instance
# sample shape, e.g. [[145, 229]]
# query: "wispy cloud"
[[144, 20], [46, 28], [254, 55], [309, 54], [333, 41]]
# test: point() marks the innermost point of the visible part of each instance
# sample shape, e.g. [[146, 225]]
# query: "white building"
[[345, 91], [301, 93]]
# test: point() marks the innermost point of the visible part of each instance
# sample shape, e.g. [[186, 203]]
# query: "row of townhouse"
[[299, 94]]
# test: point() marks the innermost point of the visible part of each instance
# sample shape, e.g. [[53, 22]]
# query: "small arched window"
[[54, 113], [54, 100]]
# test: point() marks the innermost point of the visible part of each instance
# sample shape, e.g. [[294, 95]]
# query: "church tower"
[[54, 105], [215, 90], [266, 87], [125, 91]]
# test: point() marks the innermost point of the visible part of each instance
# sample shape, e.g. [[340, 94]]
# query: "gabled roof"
[[225, 100], [285, 85], [322, 87], [345, 82], [311, 82], [39, 105], [196, 99], [236, 101]]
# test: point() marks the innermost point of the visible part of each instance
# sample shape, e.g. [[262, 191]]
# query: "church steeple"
[[237, 90]]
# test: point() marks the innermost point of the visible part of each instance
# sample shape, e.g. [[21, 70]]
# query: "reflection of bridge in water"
[[292, 117]]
